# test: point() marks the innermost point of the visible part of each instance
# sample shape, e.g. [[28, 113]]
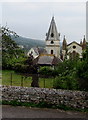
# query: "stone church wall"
[[75, 99]]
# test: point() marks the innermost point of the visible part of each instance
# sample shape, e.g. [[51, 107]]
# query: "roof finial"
[[64, 36], [81, 42], [53, 17], [84, 39]]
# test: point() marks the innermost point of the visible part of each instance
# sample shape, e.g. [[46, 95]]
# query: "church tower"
[[53, 40]]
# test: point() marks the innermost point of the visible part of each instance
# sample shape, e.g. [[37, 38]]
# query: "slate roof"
[[47, 59], [39, 50], [52, 29]]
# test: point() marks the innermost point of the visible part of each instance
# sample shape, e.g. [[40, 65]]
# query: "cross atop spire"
[[84, 38], [53, 17], [52, 32]]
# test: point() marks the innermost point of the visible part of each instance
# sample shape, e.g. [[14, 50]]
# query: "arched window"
[[51, 51]]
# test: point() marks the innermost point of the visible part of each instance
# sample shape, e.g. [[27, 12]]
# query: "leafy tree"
[[13, 57], [46, 71], [82, 71], [66, 78], [11, 53], [27, 68], [66, 67]]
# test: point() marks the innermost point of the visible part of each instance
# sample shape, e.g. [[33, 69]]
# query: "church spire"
[[52, 32], [64, 44]]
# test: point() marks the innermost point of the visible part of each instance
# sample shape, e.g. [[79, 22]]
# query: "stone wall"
[[75, 99]]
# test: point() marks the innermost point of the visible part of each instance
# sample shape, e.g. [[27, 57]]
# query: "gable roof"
[[47, 59], [39, 50], [75, 43]]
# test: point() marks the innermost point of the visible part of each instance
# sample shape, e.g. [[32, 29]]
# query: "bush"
[[82, 71], [21, 68], [82, 75], [66, 81], [47, 71]]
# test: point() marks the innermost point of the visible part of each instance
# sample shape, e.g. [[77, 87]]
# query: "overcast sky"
[[32, 19]]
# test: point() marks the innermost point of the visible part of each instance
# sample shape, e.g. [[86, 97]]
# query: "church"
[[55, 50]]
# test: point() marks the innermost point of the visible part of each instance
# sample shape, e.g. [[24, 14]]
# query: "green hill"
[[28, 43]]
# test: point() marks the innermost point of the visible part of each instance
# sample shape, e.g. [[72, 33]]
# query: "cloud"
[[0, 13], [13, 0], [42, 0], [32, 19]]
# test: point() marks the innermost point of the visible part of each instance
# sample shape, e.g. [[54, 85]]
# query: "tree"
[[82, 71], [33, 69], [66, 78], [13, 57], [11, 53], [27, 68]]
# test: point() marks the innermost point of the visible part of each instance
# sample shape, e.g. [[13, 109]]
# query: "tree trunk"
[[35, 79]]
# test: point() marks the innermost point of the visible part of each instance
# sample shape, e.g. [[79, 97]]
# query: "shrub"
[[66, 82], [47, 71], [82, 71], [82, 75]]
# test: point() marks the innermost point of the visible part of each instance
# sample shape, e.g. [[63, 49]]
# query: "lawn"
[[9, 77]]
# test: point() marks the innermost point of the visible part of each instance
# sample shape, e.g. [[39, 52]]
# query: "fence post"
[[44, 82], [53, 82], [11, 78], [22, 81]]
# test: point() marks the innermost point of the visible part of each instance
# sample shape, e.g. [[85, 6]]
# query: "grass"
[[0, 77], [16, 80]]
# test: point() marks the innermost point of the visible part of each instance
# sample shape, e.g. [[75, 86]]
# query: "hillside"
[[28, 43]]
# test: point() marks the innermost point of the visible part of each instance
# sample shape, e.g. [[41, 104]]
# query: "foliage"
[[73, 74], [11, 53], [66, 78], [48, 71], [66, 82], [82, 71], [66, 66], [45, 70], [26, 67]]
